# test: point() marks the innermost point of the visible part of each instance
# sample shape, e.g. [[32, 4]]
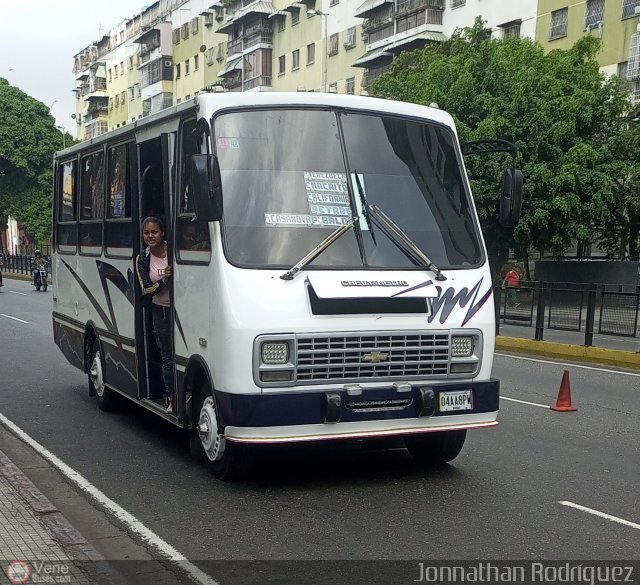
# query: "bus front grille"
[[340, 358]]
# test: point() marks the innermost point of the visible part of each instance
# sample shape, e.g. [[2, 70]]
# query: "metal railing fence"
[[589, 308]]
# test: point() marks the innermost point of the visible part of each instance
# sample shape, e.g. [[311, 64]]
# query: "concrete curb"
[[72, 542], [598, 355]]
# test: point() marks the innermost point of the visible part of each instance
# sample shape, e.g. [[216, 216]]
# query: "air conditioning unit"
[[168, 63]]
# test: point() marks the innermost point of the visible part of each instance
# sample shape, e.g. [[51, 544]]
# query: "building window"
[[176, 36], [282, 23], [510, 29], [559, 20], [350, 85], [595, 13], [178, 71], [333, 2], [186, 67], [458, 3], [633, 64], [295, 56], [629, 8], [350, 38], [295, 17], [333, 44], [184, 29], [196, 62], [282, 63], [311, 53]]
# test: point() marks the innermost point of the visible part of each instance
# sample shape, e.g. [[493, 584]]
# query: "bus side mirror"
[[205, 184], [511, 198]]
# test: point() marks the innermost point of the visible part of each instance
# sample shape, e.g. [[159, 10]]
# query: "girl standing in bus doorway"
[[154, 274]]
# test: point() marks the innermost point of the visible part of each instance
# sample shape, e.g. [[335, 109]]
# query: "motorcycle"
[[41, 276]]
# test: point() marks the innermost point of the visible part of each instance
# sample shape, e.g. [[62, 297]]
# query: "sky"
[[39, 38]]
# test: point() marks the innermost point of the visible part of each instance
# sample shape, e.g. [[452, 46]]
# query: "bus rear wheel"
[[436, 448], [105, 397], [226, 460]]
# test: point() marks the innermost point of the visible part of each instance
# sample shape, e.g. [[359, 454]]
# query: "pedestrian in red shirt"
[[511, 282]]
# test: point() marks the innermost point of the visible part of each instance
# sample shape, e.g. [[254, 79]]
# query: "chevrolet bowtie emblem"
[[375, 357]]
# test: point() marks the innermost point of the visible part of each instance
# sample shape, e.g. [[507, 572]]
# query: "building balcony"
[[370, 75], [234, 81], [408, 6], [377, 22], [261, 36], [259, 81]]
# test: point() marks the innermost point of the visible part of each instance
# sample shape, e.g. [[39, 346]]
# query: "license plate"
[[457, 400]]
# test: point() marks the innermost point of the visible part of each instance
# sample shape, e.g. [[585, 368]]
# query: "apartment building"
[[174, 49], [561, 23]]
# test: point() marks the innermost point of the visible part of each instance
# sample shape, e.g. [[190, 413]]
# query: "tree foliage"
[[28, 139], [556, 107]]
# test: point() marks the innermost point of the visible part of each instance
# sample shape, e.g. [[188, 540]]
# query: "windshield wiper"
[[321, 247], [373, 214]]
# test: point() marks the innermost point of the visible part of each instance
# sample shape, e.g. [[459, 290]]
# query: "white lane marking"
[[572, 364], [14, 318], [524, 402], [133, 524], [15, 292], [601, 514]]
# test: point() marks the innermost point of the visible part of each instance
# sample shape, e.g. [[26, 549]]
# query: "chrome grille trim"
[[341, 357]]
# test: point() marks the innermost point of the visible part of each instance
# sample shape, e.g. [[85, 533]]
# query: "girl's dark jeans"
[[161, 317]]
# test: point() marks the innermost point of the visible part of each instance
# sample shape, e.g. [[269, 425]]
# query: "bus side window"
[[193, 242]]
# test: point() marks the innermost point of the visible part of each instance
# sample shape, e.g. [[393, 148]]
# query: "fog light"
[[461, 346], [275, 352], [276, 376], [462, 368]]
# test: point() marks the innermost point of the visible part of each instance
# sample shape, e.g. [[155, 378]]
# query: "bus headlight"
[[462, 346], [274, 352]]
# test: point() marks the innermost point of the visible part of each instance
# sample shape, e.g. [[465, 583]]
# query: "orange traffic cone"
[[563, 403]]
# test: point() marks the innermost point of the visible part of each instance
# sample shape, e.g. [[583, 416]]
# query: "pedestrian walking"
[[512, 282]]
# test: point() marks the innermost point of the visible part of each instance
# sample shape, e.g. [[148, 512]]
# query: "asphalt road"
[[498, 500]]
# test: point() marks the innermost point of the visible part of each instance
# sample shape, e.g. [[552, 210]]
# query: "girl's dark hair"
[[156, 220]]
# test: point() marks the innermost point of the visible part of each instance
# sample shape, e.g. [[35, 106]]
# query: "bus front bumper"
[[338, 414]]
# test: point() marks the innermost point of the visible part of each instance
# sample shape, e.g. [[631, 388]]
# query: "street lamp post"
[[325, 56], [64, 142]]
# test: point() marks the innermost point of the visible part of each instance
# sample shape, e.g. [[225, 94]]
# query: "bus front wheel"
[[227, 460], [105, 397], [436, 448]]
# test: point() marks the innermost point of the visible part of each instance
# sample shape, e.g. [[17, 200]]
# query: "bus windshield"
[[290, 177]]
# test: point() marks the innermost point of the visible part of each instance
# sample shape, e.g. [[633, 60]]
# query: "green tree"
[[28, 139], [556, 107], [620, 233]]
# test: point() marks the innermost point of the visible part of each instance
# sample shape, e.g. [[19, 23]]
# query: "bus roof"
[[210, 103]]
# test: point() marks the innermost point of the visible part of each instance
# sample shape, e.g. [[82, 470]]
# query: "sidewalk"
[[63, 537], [37, 541]]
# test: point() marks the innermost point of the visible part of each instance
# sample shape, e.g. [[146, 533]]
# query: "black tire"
[[436, 448], [227, 460], [106, 398]]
